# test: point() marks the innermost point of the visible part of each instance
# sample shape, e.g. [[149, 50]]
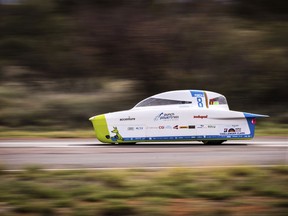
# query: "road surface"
[[89, 153]]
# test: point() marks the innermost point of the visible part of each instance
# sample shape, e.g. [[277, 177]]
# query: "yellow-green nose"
[[101, 129]]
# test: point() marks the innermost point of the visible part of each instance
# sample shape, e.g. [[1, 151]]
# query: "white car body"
[[182, 115]]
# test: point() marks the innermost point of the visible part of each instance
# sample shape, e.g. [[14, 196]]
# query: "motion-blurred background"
[[63, 61]]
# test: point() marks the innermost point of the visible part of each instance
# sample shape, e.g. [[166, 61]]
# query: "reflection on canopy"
[[218, 101], [160, 102]]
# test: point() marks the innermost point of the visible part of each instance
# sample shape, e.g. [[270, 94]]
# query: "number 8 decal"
[[200, 103]]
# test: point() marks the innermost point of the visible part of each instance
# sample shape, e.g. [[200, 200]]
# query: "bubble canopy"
[[194, 98]]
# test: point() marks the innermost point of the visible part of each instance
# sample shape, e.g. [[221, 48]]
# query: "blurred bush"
[[39, 192]]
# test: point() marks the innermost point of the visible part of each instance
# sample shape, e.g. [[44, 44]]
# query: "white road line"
[[50, 146], [101, 146], [154, 168]]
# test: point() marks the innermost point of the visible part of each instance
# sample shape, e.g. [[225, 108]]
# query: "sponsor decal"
[[183, 127], [201, 116], [158, 127], [197, 93], [166, 117], [206, 126], [238, 130], [232, 131], [154, 127], [117, 135], [130, 128], [127, 119]]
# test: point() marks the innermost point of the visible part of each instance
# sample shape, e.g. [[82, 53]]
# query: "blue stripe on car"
[[163, 138]]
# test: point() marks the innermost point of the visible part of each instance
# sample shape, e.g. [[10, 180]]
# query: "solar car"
[[173, 116]]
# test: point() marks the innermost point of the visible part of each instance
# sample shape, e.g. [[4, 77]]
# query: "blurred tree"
[[125, 41], [34, 35], [262, 9], [163, 45]]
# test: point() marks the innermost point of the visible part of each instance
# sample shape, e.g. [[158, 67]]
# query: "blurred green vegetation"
[[179, 191], [63, 61]]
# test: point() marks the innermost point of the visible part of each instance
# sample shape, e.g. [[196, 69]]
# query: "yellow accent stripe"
[[206, 99]]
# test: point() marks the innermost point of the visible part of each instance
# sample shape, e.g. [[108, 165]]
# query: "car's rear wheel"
[[213, 142]]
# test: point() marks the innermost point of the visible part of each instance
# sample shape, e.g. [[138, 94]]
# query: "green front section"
[[100, 127]]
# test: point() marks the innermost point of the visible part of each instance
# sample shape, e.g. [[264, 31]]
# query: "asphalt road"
[[89, 153]]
